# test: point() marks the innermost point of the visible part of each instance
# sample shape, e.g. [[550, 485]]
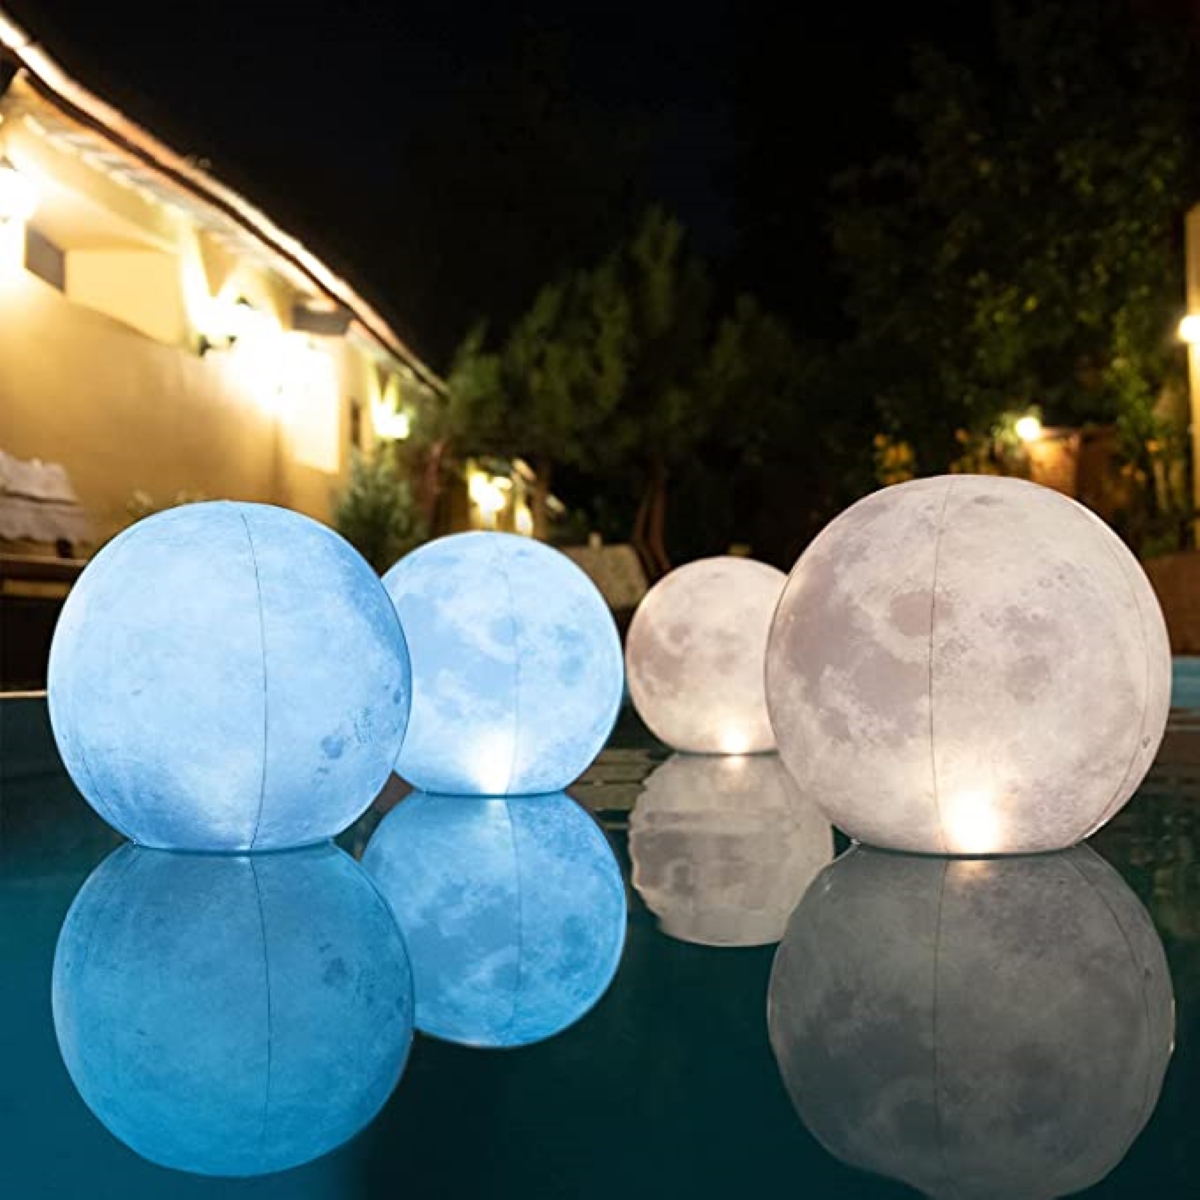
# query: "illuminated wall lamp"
[[393, 424], [1189, 329], [1029, 429], [18, 196]]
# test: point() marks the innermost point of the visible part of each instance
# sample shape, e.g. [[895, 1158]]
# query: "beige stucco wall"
[[121, 411], [108, 378]]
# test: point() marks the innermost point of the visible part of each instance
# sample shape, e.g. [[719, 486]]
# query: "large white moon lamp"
[[723, 847], [694, 656], [974, 1027], [517, 673], [228, 677], [513, 910], [232, 1015], [968, 665]]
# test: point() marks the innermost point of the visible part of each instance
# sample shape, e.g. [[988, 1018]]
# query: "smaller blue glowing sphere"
[[513, 910], [229, 677], [232, 1015], [517, 666]]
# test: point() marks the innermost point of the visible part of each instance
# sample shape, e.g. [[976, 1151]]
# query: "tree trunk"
[[430, 483], [649, 528], [541, 495], [657, 531]]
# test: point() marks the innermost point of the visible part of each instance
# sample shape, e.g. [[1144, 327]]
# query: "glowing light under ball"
[[517, 672], [968, 665], [228, 677], [232, 1015], [975, 1028], [513, 910], [724, 846], [694, 656]]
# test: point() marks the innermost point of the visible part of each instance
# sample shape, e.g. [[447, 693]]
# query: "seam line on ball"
[[262, 641], [937, 552], [516, 650], [266, 959], [933, 1021]]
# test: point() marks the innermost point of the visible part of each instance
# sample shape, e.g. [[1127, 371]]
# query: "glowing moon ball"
[[724, 846], [228, 677], [694, 656], [513, 910], [973, 1027], [517, 673], [232, 1015], [968, 665]]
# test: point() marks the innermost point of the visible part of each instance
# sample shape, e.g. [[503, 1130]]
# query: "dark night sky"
[[450, 157]]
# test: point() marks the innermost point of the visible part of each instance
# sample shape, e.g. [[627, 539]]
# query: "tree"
[[1026, 251], [376, 512], [550, 386]]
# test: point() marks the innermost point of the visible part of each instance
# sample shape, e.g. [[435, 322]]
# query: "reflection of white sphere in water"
[[228, 677], [968, 665], [232, 1015], [977, 1028], [517, 672], [513, 910], [723, 847], [694, 656]]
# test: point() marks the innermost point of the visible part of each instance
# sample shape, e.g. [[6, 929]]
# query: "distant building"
[[161, 336]]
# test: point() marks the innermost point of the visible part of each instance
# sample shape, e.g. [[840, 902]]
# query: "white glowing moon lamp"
[[232, 1015], [968, 665], [517, 672], [228, 677], [513, 910], [973, 1027], [694, 656], [723, 847]]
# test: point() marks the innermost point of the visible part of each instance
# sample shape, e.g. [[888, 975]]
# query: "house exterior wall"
[[107, 376]]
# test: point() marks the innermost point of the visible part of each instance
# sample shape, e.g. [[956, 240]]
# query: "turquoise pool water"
[[668, 1087]]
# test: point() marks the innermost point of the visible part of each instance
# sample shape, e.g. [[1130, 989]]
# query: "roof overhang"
[[158, 168]]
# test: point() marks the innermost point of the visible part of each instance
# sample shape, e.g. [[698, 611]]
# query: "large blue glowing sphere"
[[232, 1015], [513, 910], [229, 677], [517, 666]]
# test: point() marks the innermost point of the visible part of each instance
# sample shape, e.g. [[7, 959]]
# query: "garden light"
[[228, 677], [694, 656], [968, 665], [517, 670]]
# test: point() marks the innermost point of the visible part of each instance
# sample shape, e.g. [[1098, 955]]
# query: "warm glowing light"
[[523, 520], [735, 741], [18, 196], [487, 493], [390, 423], [971, 824], [1029, 429], [1189, 328]]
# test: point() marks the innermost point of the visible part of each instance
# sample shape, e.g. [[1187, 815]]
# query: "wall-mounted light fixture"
[[1189, 328], [18, 195], [225, 321], [1029, 428]]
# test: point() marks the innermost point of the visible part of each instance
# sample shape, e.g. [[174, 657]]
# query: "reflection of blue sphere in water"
[[232, 1015], [229, 677], [513, 910], [517, 666], [977, 1028]]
